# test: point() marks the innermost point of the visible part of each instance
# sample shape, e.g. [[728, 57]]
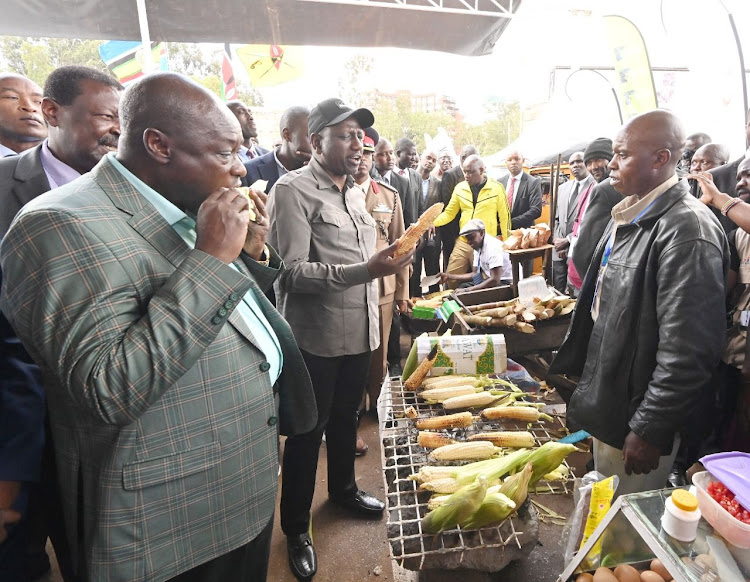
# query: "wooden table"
[[520, 255]]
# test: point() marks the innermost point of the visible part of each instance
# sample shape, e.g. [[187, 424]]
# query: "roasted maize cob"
[[415, 380], [458, 420], [515, 439], [414, 232], [433, 440], [452, 380], [442, 485], [429, 473], [522, 413], [477, 400], [473, 451], [441, 394]]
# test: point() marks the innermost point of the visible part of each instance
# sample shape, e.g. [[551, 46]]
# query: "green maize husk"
[[462, 504], [516, 487], [494, 509], [547, 458]]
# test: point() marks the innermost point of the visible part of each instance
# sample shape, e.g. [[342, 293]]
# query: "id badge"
[[744, 318]]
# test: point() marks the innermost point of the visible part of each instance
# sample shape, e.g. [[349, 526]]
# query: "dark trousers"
[[338, 383], [560, 275], [248, 563], [394, 339], [430, 255], [448, 235]]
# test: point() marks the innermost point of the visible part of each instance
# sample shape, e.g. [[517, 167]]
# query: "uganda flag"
[[125, 58]]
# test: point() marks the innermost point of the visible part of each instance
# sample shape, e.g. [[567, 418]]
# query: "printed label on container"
[[466, 354]]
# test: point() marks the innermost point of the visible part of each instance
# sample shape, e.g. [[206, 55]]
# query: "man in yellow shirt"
[[479, 196]]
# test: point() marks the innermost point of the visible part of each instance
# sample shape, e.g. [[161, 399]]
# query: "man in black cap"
[[593, 212], [329, 296]]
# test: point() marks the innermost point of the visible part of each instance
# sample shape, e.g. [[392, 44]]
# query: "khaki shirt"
[[734, 353], [325, 238], [384, 205]]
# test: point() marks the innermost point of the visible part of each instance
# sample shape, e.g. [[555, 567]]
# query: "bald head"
[[21, 122], [709, 156], [385, 158], [473, 168], [179, 138], [514, 162], [647, 150], [468, 150], [172, 103]]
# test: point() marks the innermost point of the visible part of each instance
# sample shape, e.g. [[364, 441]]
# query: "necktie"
[[510, 194], [401, 171]]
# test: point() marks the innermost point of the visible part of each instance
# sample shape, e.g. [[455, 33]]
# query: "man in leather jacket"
[[648, 329]]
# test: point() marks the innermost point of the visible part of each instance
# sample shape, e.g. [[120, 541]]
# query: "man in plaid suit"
[[138, 289]]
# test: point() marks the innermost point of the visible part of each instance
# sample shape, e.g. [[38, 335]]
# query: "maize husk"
[[513, 439], [458, 420], [516, 487], [434, 395], [547, 458], [415, 380], [433, 440], [522, 413], [414, 232], [492, 468], [476, 400], [471, 451], [459, 507], [494, 509]]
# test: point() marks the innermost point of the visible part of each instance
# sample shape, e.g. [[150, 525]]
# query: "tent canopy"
[[441, 25]]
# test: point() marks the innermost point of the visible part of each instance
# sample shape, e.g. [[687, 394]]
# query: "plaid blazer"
[[163, 416]]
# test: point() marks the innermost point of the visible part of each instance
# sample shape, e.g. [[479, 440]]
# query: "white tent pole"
[[148, 57]]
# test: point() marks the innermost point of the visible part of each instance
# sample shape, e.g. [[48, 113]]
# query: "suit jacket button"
[[234, 296], [216, 320], [228, 304], [265, 366], [273, 420], [222, 312]]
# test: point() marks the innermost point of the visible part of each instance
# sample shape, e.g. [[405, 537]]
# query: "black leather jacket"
[[660, 330]]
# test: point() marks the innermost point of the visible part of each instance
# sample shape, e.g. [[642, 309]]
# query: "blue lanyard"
[[608, 248]]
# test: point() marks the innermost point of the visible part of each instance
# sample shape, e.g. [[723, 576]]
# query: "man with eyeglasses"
[[478, 196]]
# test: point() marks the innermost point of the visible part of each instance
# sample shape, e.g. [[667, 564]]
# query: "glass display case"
[[631, 533]]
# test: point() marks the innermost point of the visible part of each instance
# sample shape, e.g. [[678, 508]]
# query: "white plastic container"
[[681, 516], [731, 529]]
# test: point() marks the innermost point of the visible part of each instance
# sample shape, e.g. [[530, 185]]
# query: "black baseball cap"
[[333, 111]]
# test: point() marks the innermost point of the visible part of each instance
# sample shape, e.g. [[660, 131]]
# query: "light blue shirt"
[[6, 152], [184, 225]]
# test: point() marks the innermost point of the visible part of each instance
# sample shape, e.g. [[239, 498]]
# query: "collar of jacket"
[[324, 179], [661, 205], [489, 185]]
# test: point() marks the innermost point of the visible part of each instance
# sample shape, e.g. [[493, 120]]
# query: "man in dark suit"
[[385, 163], [524, 198], [293, 153], [244, 115], [406, 152], [449, 233], [21, 123], [77, 140], [429, 253]]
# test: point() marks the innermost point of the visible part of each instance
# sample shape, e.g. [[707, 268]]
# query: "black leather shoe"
[[361, 502], [302, 559], [676, 478], [395, 370]]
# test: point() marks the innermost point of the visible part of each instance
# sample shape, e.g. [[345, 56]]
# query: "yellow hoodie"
[[491, 208]]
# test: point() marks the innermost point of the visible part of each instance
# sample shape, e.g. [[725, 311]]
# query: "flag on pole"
[[228, 87], [634, 83], [272, 64], [125, 58]]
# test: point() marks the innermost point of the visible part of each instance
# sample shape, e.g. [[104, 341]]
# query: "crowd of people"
[[162, 328]]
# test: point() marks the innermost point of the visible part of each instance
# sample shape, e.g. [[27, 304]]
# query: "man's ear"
[[286, 134], [157, 145], [663, 156], [315, 142], [51, 111]]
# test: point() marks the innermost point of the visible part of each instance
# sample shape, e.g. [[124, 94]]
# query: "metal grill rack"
[[401, 457]]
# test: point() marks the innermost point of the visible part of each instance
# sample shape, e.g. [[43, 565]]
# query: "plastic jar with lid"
[[681, 515]]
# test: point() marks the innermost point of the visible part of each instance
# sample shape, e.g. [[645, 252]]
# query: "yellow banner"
[[634, 82]]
